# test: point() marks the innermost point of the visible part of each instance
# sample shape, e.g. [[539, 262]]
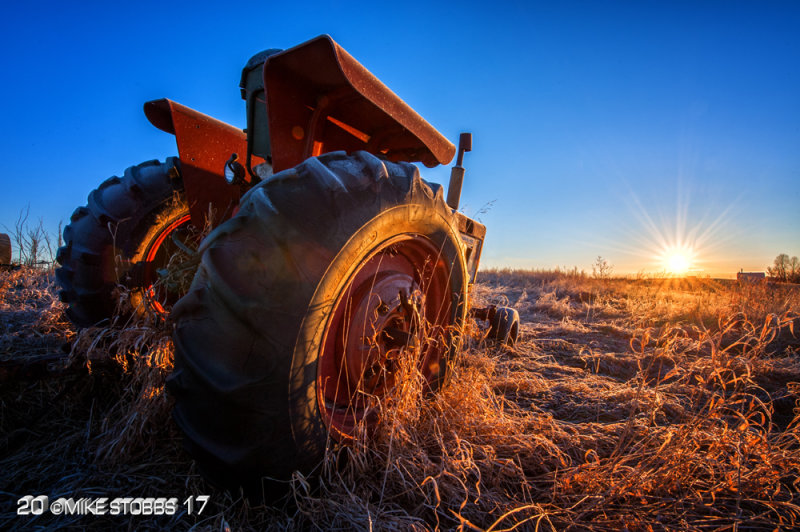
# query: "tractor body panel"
[[320, 99], [472, 235], [204, 145]]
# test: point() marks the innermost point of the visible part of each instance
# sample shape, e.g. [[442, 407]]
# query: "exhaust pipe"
[[457, 173]]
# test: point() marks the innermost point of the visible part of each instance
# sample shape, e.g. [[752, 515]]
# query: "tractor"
[[326, 258]]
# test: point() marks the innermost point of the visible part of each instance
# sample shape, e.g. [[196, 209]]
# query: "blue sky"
[[613, 128]]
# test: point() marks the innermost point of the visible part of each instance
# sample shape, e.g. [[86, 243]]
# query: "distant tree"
[[33, 241], [785, 269], [794, 271], [601, 269]]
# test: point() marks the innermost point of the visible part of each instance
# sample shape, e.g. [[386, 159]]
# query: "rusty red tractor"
[[328, 259]]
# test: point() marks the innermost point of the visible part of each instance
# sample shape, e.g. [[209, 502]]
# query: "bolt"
[[383, 308]]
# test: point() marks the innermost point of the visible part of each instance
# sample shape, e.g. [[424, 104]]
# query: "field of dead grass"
[[627, 404]]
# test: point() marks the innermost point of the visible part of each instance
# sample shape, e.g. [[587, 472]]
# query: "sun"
[[678, 263], [677, 260]]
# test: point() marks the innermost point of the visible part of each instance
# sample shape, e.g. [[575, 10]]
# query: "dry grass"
[[637, 404]]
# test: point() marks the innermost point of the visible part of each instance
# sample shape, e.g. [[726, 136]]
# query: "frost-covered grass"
[[627, 403]]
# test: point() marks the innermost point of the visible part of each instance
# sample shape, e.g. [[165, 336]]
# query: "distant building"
[[751, 277]]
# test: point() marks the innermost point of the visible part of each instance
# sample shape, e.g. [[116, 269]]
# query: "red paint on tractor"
[[396, 305], [151, 266], [318, 93], [204, 145], [319, 99]]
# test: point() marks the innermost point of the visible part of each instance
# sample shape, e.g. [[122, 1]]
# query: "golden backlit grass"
[[637, 403]]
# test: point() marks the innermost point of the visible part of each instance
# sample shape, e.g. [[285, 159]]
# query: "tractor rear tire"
[[107, 242], [313, 250]]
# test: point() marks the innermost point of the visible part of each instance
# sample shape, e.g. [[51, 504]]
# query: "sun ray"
[[682, 244]]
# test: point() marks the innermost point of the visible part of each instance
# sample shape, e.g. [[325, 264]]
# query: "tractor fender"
[[204, 145], [320, 99]]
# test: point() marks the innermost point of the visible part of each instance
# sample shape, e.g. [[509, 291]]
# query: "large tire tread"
[[114, 219], [236, 327]]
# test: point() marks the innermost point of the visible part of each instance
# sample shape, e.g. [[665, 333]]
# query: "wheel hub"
[[381, 330], [397, 305]]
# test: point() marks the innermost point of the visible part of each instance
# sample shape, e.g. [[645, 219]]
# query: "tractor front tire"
[[301, 307], [120, 238]]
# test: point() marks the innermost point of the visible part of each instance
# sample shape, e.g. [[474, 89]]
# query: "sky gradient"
[[611, 129]]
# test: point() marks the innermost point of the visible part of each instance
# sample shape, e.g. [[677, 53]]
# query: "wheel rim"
[[158, 296], [396, 304]]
